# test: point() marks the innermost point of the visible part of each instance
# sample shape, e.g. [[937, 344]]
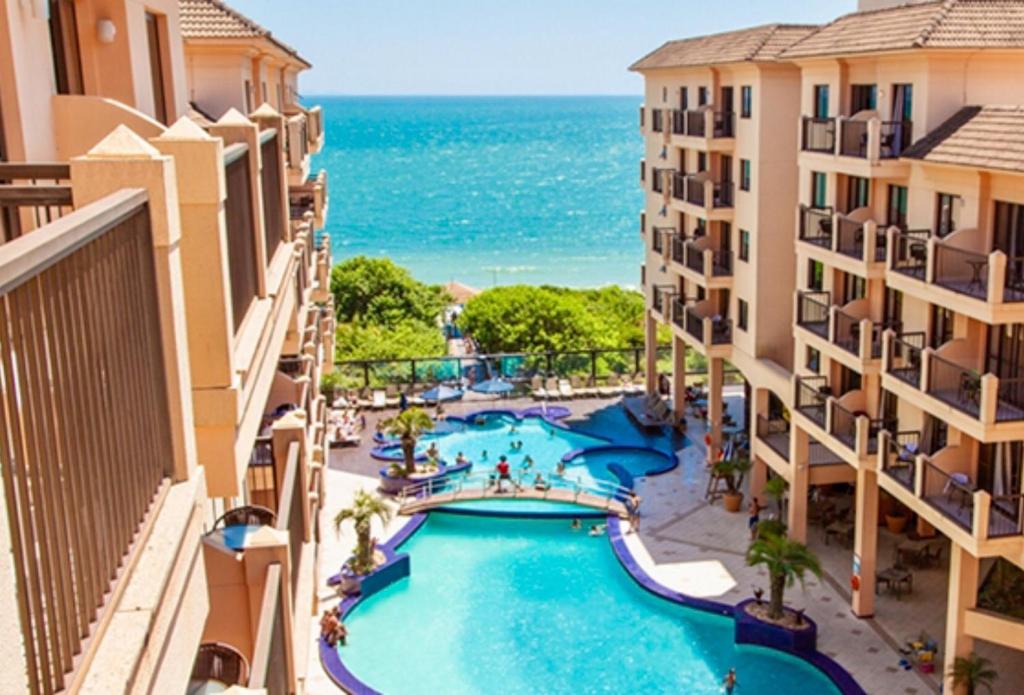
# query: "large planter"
[[732, 501], [752, 630], [896, 523]]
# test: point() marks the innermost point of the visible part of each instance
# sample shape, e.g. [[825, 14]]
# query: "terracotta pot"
[[896, 524], [732, 501]]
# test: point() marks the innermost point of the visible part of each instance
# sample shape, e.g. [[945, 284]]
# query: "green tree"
[[366, 341], [973, 672], [786, 561], [376, 290], [409, 426], [364, 508]]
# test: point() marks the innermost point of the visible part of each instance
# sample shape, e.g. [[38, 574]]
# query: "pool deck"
[[684, 543]]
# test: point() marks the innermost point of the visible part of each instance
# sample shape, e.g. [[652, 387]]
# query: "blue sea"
[[487, 190]]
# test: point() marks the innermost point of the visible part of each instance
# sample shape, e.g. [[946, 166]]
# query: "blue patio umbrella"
[[494, 386], [441, 393]]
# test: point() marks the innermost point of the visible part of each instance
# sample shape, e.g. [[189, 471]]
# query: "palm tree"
[[973, 671], [409, 426], [364, 507], [775, 489], [786, 561]]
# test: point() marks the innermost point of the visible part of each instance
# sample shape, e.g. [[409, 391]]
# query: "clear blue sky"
[[501, 46]]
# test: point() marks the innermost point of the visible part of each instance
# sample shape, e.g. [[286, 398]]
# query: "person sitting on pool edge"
[[432, 451], [540, 484], [461, 459], [633, 508], [503, 472]]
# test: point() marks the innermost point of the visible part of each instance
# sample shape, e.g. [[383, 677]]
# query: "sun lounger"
[[365, 399], [650, 412], [551, 386], [632, 388], [537, 389], [391, 396], [614, 387], [565, 389], [581, 390], [380, 400]]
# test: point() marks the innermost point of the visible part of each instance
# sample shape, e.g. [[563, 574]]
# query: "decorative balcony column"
[[865, 543], [716, 375], [864, 339], [289, 428], [650, 353], [874, 153], [124, 160], [989, 399], [266, 117], [996, 277], [678, 377], [799, 483], [870, 240], [962, 597]]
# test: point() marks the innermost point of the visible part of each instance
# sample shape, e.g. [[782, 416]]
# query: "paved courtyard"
[[698, 549]]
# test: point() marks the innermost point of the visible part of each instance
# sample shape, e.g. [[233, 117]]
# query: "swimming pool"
[[525, 606]]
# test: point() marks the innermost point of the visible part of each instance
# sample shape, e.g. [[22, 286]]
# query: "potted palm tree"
[[973, 672], [408, 426], [786, 561], [731, 472], [364, 508]]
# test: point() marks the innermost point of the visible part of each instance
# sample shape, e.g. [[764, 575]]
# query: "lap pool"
[[498, 605]]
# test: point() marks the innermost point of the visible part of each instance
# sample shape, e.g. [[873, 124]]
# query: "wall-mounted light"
[[106, 31]]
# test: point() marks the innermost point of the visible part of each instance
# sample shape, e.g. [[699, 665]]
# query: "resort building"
[[164, 322], [898, 131]]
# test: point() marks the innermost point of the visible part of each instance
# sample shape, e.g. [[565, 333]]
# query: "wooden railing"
[[32, 195], [85, 439], [290, 511], [243, 265], [269, 670], [270, 180]]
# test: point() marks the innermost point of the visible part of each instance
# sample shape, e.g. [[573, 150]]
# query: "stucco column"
[[799, 455], [962, 597], [678, 377], [716, 373], [288, 429], [124, 160], [758, 478], [865, 542], [650, 352]]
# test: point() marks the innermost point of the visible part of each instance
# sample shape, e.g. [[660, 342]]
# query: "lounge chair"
[[391, 397], [581, 390], [537, 388], [614, 387], [365, 399], [632, 387], [413, 399], [565, 389], [551, 386], [380, 400]]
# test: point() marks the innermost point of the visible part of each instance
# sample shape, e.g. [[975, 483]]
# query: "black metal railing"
[[721, 331], [905, 357], [695, 191], [723, 124], [844, 425], [723, 194], [881, 242], [819, 135], [846, 332], [853, 139], [850, 237], [661, 298], [812, 312], [679, 313], [694, 324], [1010, 399], [1006, 516], [816, 226], [910, 252], [875, 428], [811, 396], [900, 458], [950, 495], [775, 433], [678, 250], [679, 186], [877, 330], [694, 258], [894, 137], [695, 124], [961, 270], [1013, 283], [721, 265], [958, 386], [678, 122]]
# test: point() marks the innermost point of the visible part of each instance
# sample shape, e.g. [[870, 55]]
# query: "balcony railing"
[[846, 332], [721, 331], [812, 312], [811, 396], [695, 191], [261, 474], [850, 237], [694, 258], [679, 244], [32, 195], [724, 124], [723, 194], [271, 180], [220, 663], [961, 270], [658, 238], [818, 135], [678, 122], [816, 226], [775, 433], [88, 443], [958, 386], [679, 186], [900, 457], [853, 141], [905, 357], [695, 324], [661, 299], [721, 263], [844, 425], [695, 124], [895, 137], [953, 496], [878, 330], [910, 253], [679, 316], [243, 261], [1010, 399]]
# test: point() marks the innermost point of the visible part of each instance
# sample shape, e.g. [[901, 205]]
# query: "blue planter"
[[751, 630]]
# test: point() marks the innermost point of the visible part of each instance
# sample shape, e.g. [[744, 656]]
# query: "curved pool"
[[527, 606]]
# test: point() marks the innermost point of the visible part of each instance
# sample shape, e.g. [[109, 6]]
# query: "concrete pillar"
[[678, 377], [266, 117], [650, 352], [292, 428], [799, 456], [124, 160], [758, 477], [716, 372], [962, 597], [865, 542]]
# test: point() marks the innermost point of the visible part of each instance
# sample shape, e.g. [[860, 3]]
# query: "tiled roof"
[[212, 19], [985, 137], [762, 43], [948, 24]]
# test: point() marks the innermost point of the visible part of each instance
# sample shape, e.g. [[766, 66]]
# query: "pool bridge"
[[438, 492]]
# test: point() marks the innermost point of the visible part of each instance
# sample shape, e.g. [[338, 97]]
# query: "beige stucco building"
[[165, 321], [867, 283]]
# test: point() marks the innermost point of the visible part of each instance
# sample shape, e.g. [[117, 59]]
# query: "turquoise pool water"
[[529, 606]]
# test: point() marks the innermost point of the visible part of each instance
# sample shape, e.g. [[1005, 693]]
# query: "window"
[[863, 97], [248, 100], [892, 312], [815, 275], [725, 167], [726, 106], [942, 326], [821, 101], [857, 192], [643, 170], [702, 227], [744, 174], [854, 287], [702, 96], [1006, 351], [744, 245], [813, 360], [896, 213], [902, 102], [746, 101], [702, 161], [1009, 233], [849, 380], [741, 314], [67, 59], [946, 213], [684, 98], [264, 96], [819, 190], [156, 68]]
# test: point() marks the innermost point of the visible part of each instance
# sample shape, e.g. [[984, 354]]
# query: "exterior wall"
[[217, 80]]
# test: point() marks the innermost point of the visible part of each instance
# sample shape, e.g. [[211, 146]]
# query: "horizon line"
[[476, 95]]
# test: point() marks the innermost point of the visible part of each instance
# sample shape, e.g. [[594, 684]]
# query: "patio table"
[[842, 530], [911, 551], [895, 580]]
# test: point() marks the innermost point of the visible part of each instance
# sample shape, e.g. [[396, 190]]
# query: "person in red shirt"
[[504, 472]]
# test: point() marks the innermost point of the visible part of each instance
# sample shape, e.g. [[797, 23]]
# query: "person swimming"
[[527, 463], [576, 525], [461, 459], [560, 468], [729, 682], [483, 455], [597, 529], [433, 451]]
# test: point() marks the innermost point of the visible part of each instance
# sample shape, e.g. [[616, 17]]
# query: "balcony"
[[812, 395], [960, 500], [818, 135], [813, 312], [871, 138], [856, 334], [905, 357], [662, 297], [858, 145], [714, 128], [710, 267], [775, 433], [899, 455], [852, 242], [700, 323], [31, 196], [816, 226], [847, 416], [712, 199]]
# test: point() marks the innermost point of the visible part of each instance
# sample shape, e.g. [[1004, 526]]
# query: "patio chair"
[[932, 555], [551, 386], [391, 397], [217, 661], [380, 400], [537, 388], [247, 515], [565, 389]]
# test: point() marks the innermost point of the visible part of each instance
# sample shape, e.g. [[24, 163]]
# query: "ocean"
[[487, 190]]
